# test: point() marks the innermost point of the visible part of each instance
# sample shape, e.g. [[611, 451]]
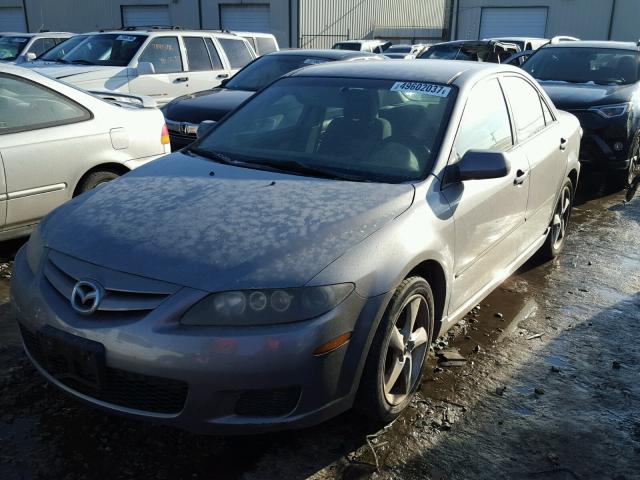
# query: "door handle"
[[181, 79], [521, 176], [223, 75], [563, 144]]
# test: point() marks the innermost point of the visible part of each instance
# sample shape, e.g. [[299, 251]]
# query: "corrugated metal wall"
[[322, 23], [585, 19]]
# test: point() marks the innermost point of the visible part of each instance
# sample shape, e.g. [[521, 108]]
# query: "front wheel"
[[556, 238], [397, 355]]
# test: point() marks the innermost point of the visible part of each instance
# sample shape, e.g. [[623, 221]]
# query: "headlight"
[[34, 250], [267, 306], [611, 111]]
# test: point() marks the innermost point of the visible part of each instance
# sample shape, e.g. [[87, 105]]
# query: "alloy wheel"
[[634, 168], [561, 218], [407, 348]]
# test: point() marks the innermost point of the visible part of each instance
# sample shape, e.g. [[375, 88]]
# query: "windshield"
[[266, 69], [347, 46], [345, 128], [603, 66], [60, 50], [110, 49], [10, 47]]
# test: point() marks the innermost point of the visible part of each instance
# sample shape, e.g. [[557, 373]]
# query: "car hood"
[[193, 222], [207, 105], [582, 96], [61, 71]]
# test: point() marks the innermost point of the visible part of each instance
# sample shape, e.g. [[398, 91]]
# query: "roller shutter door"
[[245, 18], [12, 20], [513, 22], [143, 16]]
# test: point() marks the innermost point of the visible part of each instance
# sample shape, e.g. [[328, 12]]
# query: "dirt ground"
[[549, 388]]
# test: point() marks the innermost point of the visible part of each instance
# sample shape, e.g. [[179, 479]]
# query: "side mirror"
[[26, 57], [224, 82], [146, 68], [205, 127], [482, 165]]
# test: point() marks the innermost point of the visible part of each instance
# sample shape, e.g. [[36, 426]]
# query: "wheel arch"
[[116, 168], [434, 274]]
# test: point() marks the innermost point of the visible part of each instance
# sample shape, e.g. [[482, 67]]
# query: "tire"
[[557, 236], [624, 179], [374, 399], [96, 179]]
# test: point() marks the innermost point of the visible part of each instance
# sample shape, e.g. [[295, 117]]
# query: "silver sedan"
[[57, 141], [300, 258]]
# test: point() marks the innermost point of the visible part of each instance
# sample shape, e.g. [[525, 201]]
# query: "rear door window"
[[164, 54], [266, 45], [29, 106], [197, 54], [237, 52]]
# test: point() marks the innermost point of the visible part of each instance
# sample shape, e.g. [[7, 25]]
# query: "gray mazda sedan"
[[299, 259]]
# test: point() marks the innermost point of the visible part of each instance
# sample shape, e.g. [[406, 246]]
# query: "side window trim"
[[226, 64], [88, 114]]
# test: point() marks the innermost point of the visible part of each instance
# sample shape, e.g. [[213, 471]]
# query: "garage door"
[[513, 22], [145, 16], [245, 18], [12, 20]]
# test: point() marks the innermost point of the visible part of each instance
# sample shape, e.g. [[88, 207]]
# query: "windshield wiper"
[[287, 166], [304, 169], [81, 62]]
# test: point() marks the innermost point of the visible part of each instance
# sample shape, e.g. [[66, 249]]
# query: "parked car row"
[[14, 46]]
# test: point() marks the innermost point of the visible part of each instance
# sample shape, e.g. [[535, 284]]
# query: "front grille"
[[121, 300], [267, 403], [122, 388]]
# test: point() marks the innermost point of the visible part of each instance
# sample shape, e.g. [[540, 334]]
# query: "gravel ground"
[[547, 387]]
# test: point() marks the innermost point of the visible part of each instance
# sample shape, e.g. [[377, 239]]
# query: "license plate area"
[[69, 357]]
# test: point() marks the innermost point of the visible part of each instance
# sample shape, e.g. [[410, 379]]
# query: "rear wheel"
[[398, 352], [96, 179], [556, 238]]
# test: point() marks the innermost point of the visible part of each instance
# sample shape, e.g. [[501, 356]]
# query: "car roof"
[[362, 41], [477, 43], [436, 71], [254, 34], [517, 39], [29, 35], [595, 44], [330, 54]]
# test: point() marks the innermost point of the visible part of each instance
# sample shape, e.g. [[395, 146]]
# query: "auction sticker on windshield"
[[424, 88]]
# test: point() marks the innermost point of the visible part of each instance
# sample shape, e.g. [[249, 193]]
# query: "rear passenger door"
[[205, 69], [237, 51], [169, 79], [539, 139]]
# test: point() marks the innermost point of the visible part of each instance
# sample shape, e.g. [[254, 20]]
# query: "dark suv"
[[599, 83], [493, 51]]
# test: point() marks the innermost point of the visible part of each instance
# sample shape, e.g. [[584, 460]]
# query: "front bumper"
[[181, 134], [596, 148], [204, 379]]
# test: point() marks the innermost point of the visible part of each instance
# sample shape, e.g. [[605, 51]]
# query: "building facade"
[[585, 19], [307, 23]]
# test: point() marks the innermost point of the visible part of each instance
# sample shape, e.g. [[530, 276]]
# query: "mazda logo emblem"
[[86, 297]]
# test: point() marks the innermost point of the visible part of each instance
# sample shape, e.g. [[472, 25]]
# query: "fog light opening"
[[332, 345]]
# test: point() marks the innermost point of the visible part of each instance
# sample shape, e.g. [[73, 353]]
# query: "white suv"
[[160, 63]]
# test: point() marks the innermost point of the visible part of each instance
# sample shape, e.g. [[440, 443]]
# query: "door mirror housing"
[[146, 68], [482, 165], [26, 57], [224, 82], [205, 127]]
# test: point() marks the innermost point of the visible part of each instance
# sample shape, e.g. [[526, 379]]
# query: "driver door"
[[169, 79], [488, 214]]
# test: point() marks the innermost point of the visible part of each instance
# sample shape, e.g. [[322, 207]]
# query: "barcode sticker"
[[424, 88]]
